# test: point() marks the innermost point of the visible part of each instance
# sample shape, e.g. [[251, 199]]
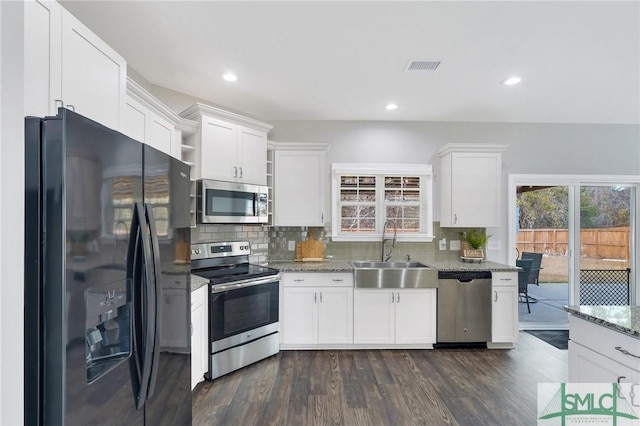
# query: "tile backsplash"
[[269, 244], [279, 238], [257, 235]]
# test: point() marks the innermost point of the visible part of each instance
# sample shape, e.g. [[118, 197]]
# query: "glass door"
[[604, 270], [543, 236], [585, 229]]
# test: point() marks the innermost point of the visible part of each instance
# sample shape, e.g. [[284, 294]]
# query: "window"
[[365, 196]]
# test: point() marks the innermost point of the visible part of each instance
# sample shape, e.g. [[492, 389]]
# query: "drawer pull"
[[506, 279], [338, 280], [626, 352], [298, 280]]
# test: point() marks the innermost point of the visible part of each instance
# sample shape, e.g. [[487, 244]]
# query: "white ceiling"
[[579, 61]]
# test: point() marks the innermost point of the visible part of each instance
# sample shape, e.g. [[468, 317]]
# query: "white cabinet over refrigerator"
[[67, 64]]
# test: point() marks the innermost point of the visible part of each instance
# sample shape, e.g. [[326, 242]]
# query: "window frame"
[[380, 171]]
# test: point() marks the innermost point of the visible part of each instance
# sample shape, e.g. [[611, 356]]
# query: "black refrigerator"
[[107, 278]]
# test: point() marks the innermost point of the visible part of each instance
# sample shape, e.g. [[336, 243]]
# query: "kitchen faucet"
[[386, 256]]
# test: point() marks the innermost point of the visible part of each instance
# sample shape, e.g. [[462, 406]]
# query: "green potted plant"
[[472, 244]]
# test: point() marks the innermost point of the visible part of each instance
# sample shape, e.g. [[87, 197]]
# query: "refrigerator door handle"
[[134, 276], [155, 255], [144, 308]]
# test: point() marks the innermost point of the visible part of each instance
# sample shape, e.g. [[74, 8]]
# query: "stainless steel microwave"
[[229, 202]]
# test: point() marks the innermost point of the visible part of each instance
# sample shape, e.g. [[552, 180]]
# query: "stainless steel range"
[[243, 305]]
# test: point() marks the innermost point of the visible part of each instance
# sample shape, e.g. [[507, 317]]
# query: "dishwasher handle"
[[464, 276]]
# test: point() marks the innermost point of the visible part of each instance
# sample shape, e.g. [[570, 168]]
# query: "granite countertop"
[[625, 319], [328, 266], [345, 266], [197, 282], [458, 265]]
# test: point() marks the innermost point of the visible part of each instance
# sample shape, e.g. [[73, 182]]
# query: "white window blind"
[[364, 196]]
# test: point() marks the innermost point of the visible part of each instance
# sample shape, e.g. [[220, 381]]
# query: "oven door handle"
[[244, 283]]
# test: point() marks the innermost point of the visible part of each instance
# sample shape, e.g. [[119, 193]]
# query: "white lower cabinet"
[[601, 355], [589, 366], [504, 309], [317, 309], [401, 317], [199, 335]]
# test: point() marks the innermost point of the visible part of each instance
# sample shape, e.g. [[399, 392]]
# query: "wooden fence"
[[598, 243]]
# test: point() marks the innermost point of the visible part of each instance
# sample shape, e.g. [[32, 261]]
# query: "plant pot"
[[473, 253]]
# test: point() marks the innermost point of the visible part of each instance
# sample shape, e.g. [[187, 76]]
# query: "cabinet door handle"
[[626, 352], [315, 297], [56, 101], [235, 171], [618, 386], [240, 173], [71, 107], [496, 296], [320, 297], [455, 218], [398, 297], [393, 297]]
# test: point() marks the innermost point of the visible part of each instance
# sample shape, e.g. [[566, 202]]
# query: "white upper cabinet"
[[148, 120], [64, 60], [300, 179], [252, 155], [42, 57], [94, 76], [228, 146], [470, 185]]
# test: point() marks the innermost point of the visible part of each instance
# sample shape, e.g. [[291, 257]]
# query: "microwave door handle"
[[256, 204], [156, 287]]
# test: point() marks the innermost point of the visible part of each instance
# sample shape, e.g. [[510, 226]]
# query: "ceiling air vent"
[[422, 66]]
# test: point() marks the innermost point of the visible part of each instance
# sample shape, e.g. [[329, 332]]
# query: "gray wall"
[[534, 148], [587, 149], [11, 212]]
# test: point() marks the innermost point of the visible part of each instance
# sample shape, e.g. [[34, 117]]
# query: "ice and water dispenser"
[[108, 328]]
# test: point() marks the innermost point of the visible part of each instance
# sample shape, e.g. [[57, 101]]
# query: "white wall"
[[11, 212], [589, 149]]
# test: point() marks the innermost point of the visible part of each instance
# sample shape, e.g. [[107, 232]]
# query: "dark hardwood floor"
[[385, 387]]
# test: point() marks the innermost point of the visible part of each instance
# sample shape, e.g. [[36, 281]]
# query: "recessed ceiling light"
[[511, 81], [391, 107], [229, 77]]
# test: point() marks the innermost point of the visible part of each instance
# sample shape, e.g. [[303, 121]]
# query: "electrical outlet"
[[493, 245], [292, 245], [454, 245], [442, 244]]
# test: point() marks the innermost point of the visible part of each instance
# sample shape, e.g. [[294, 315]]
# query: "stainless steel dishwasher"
[[464, 307]]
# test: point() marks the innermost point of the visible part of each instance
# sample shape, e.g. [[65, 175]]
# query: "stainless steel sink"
[[371, 274], [385, 265]]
